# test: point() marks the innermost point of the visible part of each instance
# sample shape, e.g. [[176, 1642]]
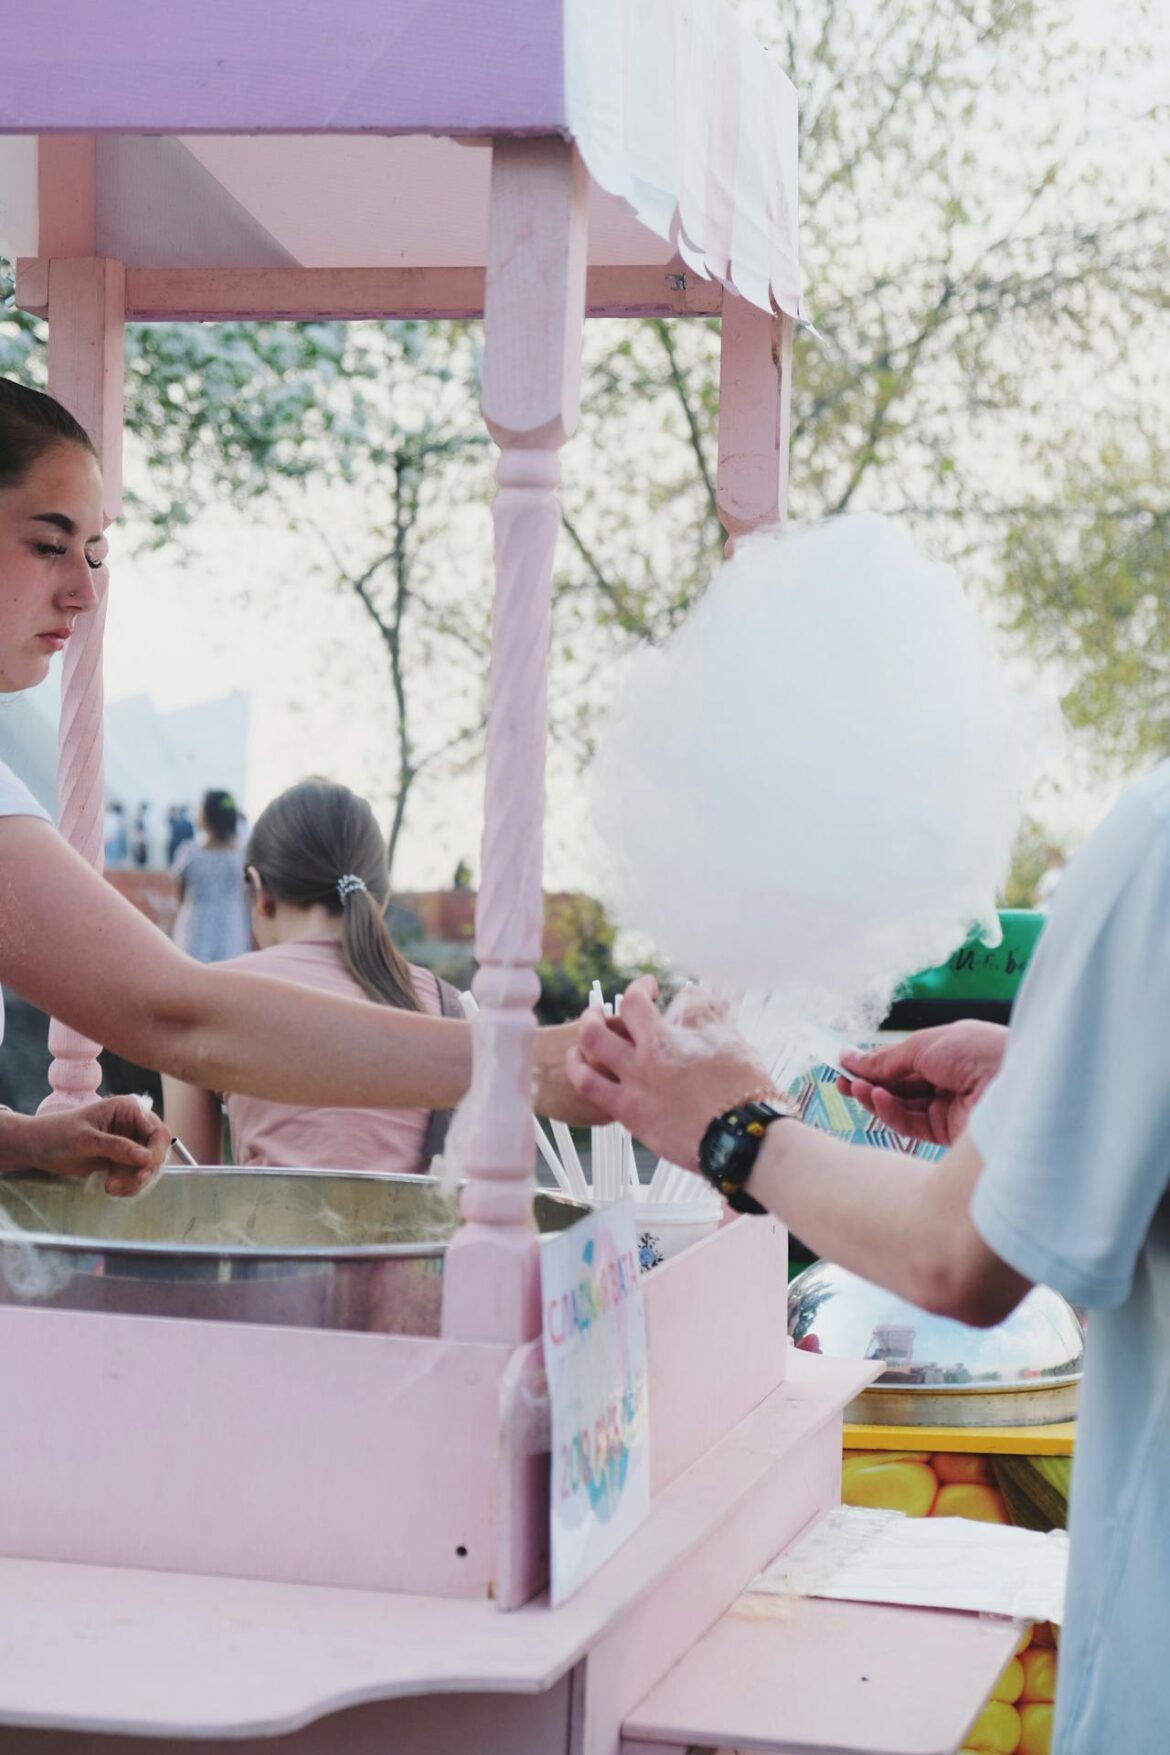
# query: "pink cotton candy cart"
[[233, 1537]]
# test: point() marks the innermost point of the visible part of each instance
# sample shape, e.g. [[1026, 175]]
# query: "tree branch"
[[617, 596], [891, 387], [679, 384], [457, 741]]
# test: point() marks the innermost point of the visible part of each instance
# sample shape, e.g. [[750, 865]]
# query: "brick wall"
[[444, 916]]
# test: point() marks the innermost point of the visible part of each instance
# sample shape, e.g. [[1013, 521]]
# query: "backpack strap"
[[439, 1120]]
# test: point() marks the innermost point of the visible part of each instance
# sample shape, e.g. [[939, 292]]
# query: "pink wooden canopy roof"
[[292, 134]]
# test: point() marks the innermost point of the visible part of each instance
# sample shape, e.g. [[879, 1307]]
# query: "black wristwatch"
[[727, 1151]]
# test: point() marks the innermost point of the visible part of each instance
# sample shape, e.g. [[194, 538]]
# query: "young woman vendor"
[[72, 946]]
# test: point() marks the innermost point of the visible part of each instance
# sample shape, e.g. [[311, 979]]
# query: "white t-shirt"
[[15, 798], [1075, 1139], [15, 801]]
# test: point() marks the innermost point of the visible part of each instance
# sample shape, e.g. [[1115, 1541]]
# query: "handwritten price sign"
[[595, 1361]]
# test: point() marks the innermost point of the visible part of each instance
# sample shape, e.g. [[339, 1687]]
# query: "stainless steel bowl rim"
[[72, 1243], [980, 1386], [250, 1251]]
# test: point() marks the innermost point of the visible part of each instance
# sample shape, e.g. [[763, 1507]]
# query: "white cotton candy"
[[813, 790]]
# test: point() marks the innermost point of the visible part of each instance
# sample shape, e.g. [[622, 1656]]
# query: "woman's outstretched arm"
[[72, 946]]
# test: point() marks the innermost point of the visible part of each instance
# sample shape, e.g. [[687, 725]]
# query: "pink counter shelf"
[[160, 1660], [226, 1538]]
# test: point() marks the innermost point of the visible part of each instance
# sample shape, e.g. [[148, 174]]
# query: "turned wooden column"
[[755, 387], [86, 307], [534, 311]]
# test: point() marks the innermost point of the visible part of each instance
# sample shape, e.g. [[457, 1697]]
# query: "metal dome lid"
[[1024, 1371]]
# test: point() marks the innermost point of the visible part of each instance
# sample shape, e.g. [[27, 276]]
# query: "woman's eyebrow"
[[58, 519]]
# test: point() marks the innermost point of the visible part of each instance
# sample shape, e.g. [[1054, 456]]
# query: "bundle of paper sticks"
[[612, 1165]]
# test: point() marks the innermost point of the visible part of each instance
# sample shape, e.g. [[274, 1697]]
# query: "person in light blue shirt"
[[1057, 1172], [1074, 1135]]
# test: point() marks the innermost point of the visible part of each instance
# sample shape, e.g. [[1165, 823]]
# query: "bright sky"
[[185, 630]]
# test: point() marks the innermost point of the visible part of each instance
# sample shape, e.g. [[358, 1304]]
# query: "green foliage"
[[1090, 579], [986, 265], [238, 408], [366, 439], [586, 941], [22, 353], [1035, 853]]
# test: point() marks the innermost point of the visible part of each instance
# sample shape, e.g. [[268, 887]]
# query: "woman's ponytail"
[[319, 845], [371, 956]]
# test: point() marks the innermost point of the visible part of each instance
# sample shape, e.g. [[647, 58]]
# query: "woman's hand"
[[115, 1138], [926, 1086], [555, 1095], [664, 1081]]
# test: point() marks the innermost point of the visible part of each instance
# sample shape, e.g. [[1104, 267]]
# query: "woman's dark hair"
[[31, 423], [303, 845], [220, 815]]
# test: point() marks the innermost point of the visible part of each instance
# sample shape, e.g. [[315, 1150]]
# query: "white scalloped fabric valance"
[[677, 109]]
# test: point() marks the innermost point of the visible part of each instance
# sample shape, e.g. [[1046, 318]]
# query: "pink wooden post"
[[755, 385], [534, 312], [86, 306]]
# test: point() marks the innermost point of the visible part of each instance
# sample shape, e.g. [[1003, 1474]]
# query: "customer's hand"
[[115, 1138], [926, 1086], [665, 1081]]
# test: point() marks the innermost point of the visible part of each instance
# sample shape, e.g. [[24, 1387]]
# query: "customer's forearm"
[[889, 1217]]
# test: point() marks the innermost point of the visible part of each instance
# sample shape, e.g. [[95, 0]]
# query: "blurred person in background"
[[180, 830], [212, 923]]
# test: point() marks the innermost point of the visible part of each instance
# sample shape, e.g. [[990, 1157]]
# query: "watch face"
[[730, 1145], [723, 1151]]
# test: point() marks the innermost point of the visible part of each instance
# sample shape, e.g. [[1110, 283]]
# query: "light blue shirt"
[[1075, 1140]]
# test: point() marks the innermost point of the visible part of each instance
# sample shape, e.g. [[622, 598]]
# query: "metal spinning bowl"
[[307, 1248], [1024, 1372]]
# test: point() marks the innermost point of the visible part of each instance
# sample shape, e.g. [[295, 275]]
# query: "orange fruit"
[[997, 1729], [1039, 1667], [1011, 1683], [984, 1504], [889, 1486], [956, 1466], [889, 1455], [1025, 1641], [1036, 1729]]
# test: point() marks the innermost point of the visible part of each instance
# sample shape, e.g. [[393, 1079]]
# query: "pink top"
[[290, 1137]]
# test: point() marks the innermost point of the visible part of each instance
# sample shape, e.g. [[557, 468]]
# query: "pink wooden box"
[[387, 1462]]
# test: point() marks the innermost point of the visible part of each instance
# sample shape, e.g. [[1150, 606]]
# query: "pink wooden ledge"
[[797, 1676]]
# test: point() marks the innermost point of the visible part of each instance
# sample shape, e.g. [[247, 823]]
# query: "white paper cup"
[[666, 1228]]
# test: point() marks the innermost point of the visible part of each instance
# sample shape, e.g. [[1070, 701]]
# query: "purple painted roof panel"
[[395, 66]]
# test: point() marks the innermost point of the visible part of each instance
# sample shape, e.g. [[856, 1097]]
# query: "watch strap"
[[729, 1148]]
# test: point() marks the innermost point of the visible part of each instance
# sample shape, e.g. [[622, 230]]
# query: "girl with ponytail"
[[318, 884]]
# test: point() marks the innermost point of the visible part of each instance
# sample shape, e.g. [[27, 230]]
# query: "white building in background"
[[153, 756]]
